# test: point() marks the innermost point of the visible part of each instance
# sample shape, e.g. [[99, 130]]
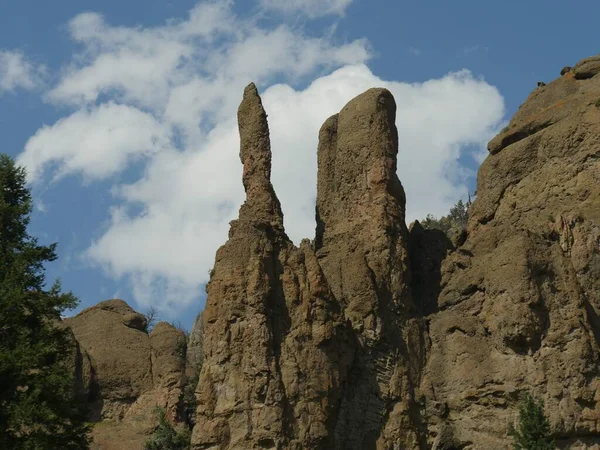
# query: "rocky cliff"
[[519, 301], [372, 335], [276, 346], [376, 337]]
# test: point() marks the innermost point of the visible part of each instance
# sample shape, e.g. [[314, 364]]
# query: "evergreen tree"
[[166, 437], [38, 408], [532, 431], [452, 224]]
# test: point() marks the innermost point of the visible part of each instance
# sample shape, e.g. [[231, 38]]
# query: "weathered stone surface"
[[276, 350], [427, 250], [195, 347], [120, 354], [80, 364], [125, 373], [587, 68], [519, 301], [135, 320], [361, 243], [262, 205]]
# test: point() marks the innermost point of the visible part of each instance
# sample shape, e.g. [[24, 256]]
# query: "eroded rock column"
[[276, 348], [361, 244]]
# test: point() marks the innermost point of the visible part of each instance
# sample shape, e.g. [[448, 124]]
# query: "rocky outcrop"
[[308, 348], [126, 373], [374, 337], [276, 349], [519, 301], [195, 347], [113, 335], [362, 246], [427, 250], [587, 68]]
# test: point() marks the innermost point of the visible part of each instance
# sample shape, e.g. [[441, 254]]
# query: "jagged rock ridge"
[[306, 347], [374, 336], [377, 337], [258, 387]]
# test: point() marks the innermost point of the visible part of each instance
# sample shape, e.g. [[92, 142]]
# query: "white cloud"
[[17, 72], [169, 94], [97, 142], [312, 8], [435, 120]]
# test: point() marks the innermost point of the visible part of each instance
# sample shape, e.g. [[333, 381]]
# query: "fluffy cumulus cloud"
[[97, 141], [168, 95], [312, 8], [17, 72]]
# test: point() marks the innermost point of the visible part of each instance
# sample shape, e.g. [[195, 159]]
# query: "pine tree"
[[38, 408], [532, 431], [166, 437], [452, 224]]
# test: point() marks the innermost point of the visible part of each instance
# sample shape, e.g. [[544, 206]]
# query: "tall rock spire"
[[276, 347], [262, 205], [361, 244], [360, 208]]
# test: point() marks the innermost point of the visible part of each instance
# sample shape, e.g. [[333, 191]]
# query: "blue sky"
[[124, 114]]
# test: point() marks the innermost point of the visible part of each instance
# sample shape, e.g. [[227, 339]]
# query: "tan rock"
[[120, 354], [275, 348], [126, 373], [195, 349], [361, 244], [519, 300], [587, 67]]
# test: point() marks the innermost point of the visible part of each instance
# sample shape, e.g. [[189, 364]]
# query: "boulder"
[[587, 68], [120, 354]]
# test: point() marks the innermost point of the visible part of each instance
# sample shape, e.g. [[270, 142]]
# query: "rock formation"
[[519, 301], [195, 347], [374, 337], [126, 372], [276, 348], [306, 347], [362, 246]]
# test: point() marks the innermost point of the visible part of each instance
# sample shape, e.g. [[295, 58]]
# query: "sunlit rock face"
[[372, 336]]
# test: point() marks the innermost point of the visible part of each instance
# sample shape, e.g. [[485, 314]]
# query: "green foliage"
[[38, 407], [597, 103], [532, 431], [452, 224], [166, 437]]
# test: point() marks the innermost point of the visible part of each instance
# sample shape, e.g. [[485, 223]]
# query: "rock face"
[[377, 337], [126, 372], [361, 244], [276, 348], [112, 334], [307, 347], [519, 301]]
